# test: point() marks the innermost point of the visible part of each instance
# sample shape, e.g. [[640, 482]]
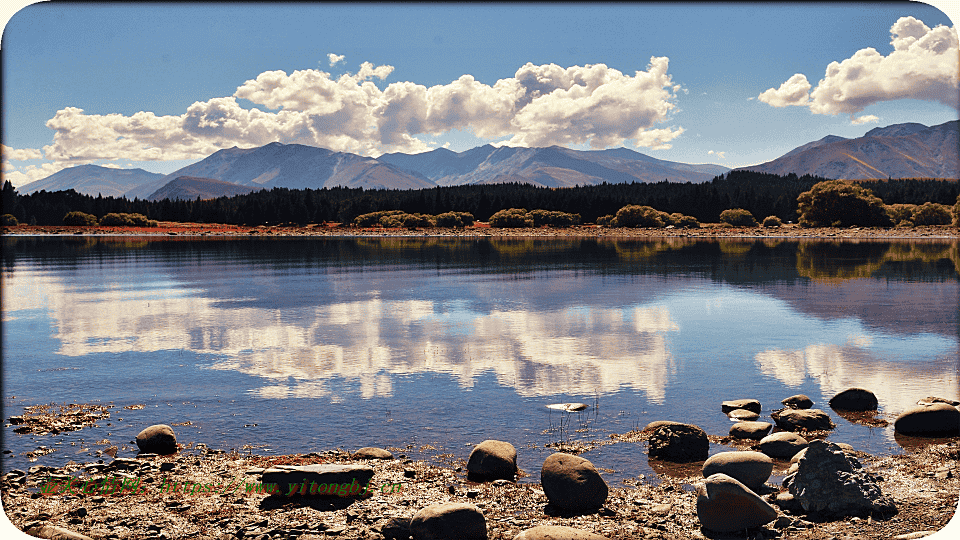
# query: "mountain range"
[[908, 150]]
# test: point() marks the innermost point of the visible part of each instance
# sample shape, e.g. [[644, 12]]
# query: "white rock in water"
[[569, 407]]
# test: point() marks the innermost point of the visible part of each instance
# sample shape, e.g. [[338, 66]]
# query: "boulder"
[[750, 468], [830, 484], [492, 460], [320, 480], [557, 532], [748, 404], [854, 399], [449, 521], [370, 452], [394, 528], [680, 443], [157, 439], [750, 430], [572, 483], [929, 420], [799, 401], [743, 415], [726, 505], [782, 444], [808, 419], [652, 426]]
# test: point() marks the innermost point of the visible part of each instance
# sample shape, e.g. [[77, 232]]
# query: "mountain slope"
[[92, 180], [897, 151], [554, 166], [292, 166], [188, 188]]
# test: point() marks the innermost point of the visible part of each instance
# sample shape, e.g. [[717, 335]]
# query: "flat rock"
[[568, 407], [750, 430], [782, 444], [854, 399], [652, 426], [157, 439], [572, 483], [371, 452], [749, 404], [831, 484], [492, 460], [807, 419], [680, 443], [750, 468], [322, 480], [929, 420], [557, 532], [449, 521], [930, 400], [743, 415], [52, 532], [726, 505], [799, 401]]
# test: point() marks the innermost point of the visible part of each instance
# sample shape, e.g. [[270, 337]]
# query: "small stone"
[[449, 521], [807, 419], [750, 430], [854, 399], [557, 532], [371, 452], [930, 400], [749, 404], [782, 445], [799, 401], [743, 414], [750, 468]]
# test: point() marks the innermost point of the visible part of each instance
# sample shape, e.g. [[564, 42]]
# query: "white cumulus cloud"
[[334, 58], [721, 155], [923, 65]]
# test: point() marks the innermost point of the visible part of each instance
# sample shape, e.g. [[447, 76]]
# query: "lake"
[[292, 345]]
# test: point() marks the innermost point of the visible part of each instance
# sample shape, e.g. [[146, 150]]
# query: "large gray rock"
[[680, 443], [750, 430], [750, 468], [321, 480], [572, 483], [928, 420], [557, 532], [492, 460], [854, 399], [797, 419], [449, 521], [157, 439], [782, 444], [831, 484], [726, 505], [748, 404], [799, 401]]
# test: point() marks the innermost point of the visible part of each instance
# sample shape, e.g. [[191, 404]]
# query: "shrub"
[[373, 218], [956, 212], [738, 217], [839, 204], [79, 218], [511, 218], [899, 213], [127, 220], [415, 221], [638, 216], [605, 221], [932, 214], [772, 221], [455, 219], [553, 218], [9, 220], [680, 221]]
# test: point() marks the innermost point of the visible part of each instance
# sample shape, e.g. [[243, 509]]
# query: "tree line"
[[759, 193]]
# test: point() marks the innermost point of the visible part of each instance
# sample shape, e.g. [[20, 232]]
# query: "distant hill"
[[898, 151], [292, 166], [554, 166], [189, 188], [92, 180]]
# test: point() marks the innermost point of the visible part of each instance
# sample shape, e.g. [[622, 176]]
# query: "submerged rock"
[[680, 443], [748, 404], [808, 419], [854, 399], [799, 401]]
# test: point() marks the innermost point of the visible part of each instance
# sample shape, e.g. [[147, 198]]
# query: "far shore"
[[708, 230]]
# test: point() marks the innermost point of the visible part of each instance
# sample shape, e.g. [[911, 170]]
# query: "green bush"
[[455, 219], [932, 214], [838, 203], [680, 221], [373, 218], [772, 222], [605, 221], [79, 218], [9, 220], [956, 212], [511, 218], [899, 213], [635, 215], [738, 217], [554, 218], [127, 220]]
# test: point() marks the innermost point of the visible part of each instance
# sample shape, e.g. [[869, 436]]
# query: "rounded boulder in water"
[[157, 439]]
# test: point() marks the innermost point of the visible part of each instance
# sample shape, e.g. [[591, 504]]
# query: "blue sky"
[[160, 86]]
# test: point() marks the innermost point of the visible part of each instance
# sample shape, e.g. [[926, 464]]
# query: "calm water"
[[297, 345]]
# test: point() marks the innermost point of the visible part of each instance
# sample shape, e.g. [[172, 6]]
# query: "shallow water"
[[304, 344]]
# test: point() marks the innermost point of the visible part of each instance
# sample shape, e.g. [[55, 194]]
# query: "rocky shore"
[[708, 230], [758, 486]]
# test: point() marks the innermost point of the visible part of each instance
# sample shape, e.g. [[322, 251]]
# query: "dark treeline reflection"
[[732, 261]]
